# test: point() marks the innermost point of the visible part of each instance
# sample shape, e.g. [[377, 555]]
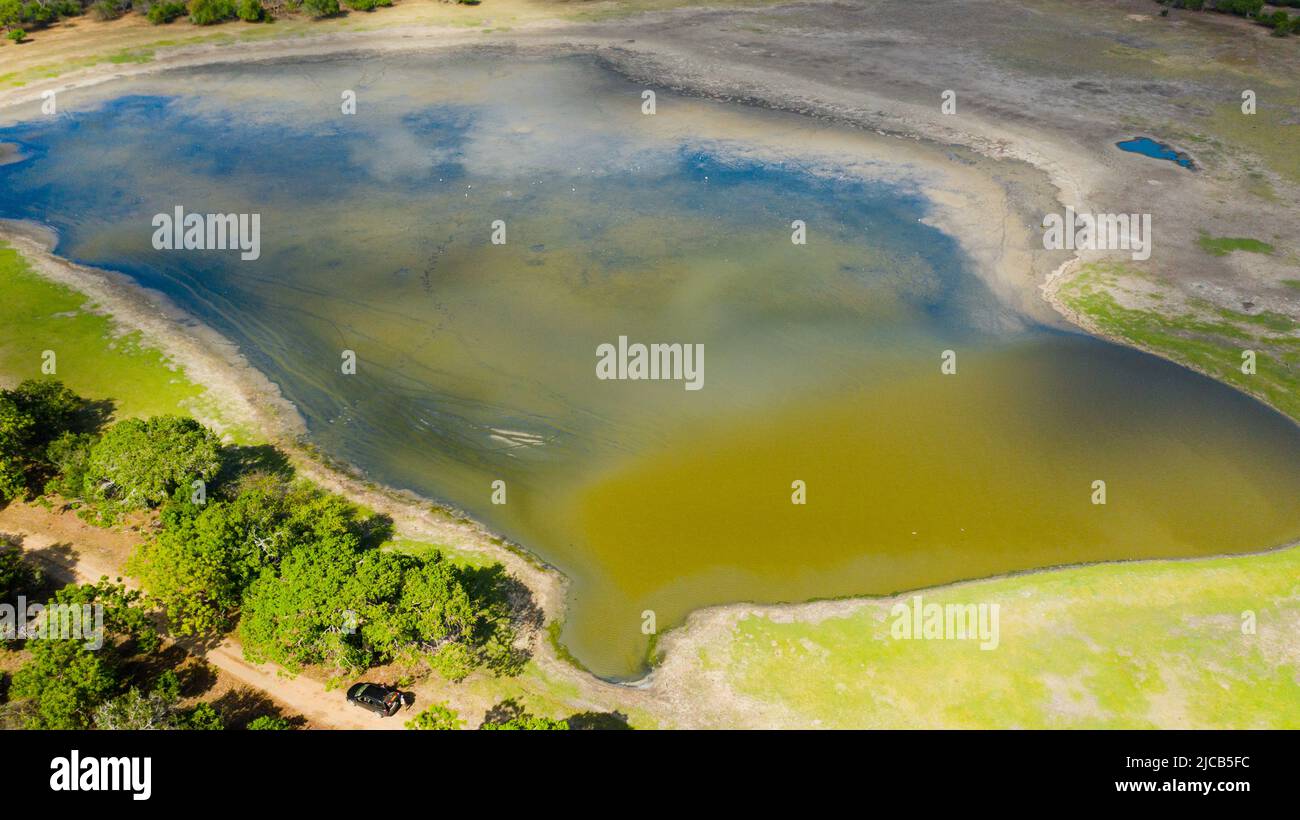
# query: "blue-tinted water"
[[1148, 147]]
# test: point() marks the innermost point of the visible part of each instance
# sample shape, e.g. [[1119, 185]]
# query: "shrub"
[[268, 723], [437, 717], [1281, 24], [208, 12], [38, 14], [321, 8], [1243, 8], [165, 12], [106, 10], [203, 717], [69, 456], [17, 35], [250, 11]]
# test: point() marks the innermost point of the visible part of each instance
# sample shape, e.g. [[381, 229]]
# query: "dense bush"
[[15, 426], [208, 12], [165, 12], [321, 8], [32, 416], [1279, 21], [140, 463], [250, 11], [1242, 8], [337, 604], [438, 717], [69, 457], [268, 723], [20, 17], [299, 572], [64, 682], [14, 13], [205, 557]]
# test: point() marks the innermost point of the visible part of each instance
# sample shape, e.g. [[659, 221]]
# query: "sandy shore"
[[1011, 169]]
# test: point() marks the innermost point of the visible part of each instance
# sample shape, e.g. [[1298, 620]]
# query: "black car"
[[375, 698]]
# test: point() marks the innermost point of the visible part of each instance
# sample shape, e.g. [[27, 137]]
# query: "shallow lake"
[[477, 362]]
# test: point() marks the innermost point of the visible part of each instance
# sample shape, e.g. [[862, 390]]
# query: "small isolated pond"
[[1148, 147]]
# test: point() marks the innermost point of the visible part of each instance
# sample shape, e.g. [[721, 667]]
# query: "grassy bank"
[[91, 356], [1106, 646], [1124, 304]]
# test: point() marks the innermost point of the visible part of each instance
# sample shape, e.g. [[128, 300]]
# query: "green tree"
[[207, 12], [168, 685], [69, 458], [204, 558], [203, 717], [64, 681], [321, 8], [165, 12], [438, 717], [334, 603], [16, 576], [139, 463], [306, 613], [250, 11], [11, 13], [32, 416], [269, 723], [52, 407], [15, 430]]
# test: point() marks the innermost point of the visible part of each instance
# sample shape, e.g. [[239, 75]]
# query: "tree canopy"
[[64, 681], [300, 574], [32, 416], [140, 462]]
